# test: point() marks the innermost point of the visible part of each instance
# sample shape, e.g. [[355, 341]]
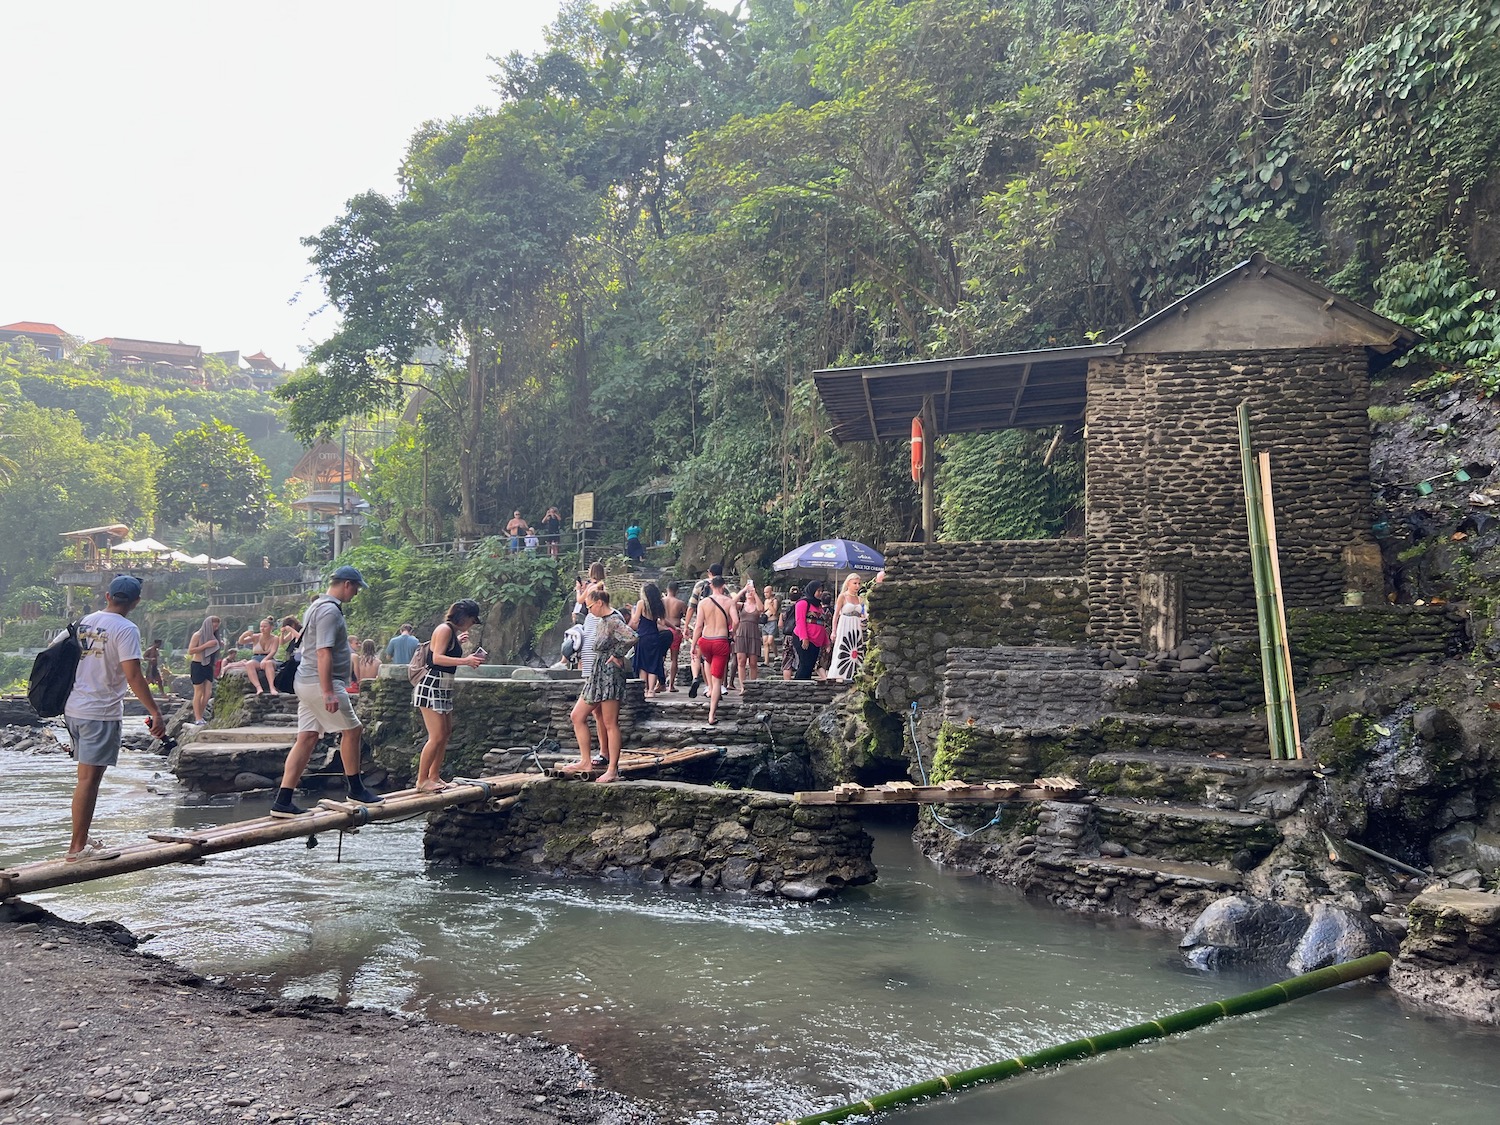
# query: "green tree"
[[63, 481], [211, 474]]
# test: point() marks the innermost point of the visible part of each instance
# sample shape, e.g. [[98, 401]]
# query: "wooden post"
[[929, 470]]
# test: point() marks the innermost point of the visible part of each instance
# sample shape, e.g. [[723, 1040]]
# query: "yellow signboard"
[[583, 510]]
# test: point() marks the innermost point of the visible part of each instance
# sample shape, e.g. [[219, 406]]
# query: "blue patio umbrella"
[[831, 554]]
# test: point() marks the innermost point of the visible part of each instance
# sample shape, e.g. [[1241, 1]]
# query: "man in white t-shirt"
[[111, 662]]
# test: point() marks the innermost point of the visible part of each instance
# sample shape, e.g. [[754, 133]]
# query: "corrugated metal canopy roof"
[[970, 393]]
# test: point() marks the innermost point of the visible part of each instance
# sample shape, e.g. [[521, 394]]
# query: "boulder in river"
[[1334, 935], [1243, 929]]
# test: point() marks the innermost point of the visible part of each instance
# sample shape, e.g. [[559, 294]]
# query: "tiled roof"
[[33, 328]]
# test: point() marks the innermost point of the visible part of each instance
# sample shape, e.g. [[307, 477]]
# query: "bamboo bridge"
[[160, 849]]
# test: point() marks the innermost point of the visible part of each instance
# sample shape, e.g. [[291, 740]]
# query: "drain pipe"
[[1267, 997]]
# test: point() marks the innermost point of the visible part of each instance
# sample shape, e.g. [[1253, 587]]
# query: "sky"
[[164, 159]]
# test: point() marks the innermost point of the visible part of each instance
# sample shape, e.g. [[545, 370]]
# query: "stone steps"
[[1247, 784], [1184, 734], [279, 734], [1187, 833], [686, 732], [1041, 658], [1162, 872]]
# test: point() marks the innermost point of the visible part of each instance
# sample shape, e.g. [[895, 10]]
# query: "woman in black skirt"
[[433, 694]]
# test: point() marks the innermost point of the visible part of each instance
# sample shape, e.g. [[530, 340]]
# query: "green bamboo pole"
[[1291, 728], [1270, 666], [1261, 998]]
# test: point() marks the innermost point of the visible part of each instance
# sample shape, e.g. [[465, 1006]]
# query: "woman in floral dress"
[[605, 686]]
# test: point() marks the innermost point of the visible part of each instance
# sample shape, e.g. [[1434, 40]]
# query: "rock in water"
[[1243, 929], [1335, 935]]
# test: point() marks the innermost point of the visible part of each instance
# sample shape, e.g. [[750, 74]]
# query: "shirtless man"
[[714, 631], [676, 608], [700, 591], [515, 529]]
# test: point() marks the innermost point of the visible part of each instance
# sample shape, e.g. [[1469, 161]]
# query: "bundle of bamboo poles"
[[1267, 997], [1270, 609]]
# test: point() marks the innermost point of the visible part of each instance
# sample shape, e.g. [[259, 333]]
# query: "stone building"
[[1165, 552]]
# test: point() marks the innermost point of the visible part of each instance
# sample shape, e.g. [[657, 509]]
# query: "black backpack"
[[788, 620], [286, 673], [53, 672]]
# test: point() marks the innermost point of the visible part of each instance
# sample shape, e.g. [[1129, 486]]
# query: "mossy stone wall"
[[686, 836]]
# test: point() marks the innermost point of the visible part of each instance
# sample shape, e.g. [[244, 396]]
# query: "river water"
[[722, 1010]]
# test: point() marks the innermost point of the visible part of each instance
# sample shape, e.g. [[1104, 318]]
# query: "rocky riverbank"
[[98, 1032], [30, 740]]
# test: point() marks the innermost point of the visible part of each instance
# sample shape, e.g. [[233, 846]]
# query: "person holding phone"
[[433, 694]]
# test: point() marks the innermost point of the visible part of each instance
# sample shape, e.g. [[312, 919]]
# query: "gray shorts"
[[96, 742], [312, 715]]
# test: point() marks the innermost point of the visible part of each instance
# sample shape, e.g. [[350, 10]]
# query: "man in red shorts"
[[713, 628]]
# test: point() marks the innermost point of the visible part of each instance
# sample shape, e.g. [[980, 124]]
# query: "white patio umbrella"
[[147, 546], [228, 560]]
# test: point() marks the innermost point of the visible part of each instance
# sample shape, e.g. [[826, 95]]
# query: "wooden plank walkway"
[[946, 793], [191, 845]]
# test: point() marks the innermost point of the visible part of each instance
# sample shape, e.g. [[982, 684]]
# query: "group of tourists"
[[521, 536], [327, 666]]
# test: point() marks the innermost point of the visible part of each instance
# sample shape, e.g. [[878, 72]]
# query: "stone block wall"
[[486, 714], [791, 706], [992, 558], [1165, 492], [494, 713], [685, 836], [1339, 638], [917, 622], [985, 687]]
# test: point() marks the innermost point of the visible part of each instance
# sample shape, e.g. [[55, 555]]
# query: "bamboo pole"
[[1269, 665], [191, 845], [1290, 722], [329, 816], [1262, 998]]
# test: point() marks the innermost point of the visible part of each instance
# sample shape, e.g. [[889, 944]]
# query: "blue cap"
[[126, 588], [348, 574]]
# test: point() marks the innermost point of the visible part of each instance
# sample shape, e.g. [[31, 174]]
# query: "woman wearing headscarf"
[[204, 647], [811, 630], [433, 693]]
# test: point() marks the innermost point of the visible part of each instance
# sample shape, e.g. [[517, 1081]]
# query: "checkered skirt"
[[435, 692]]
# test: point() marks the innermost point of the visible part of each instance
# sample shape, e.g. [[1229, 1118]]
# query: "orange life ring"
[[917, 451]]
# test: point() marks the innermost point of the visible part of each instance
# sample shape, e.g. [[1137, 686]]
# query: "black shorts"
[[201, 673]]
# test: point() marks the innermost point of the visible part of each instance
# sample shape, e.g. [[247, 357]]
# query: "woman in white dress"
[[849, 631]]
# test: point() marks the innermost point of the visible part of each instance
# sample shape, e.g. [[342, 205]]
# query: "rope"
[[957, 829]]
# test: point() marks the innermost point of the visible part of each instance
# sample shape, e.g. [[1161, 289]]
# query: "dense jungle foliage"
[[631, 265], [82, 446]]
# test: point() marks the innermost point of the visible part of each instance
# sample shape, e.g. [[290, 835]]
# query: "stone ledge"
[[1450, 960], [664, 833]]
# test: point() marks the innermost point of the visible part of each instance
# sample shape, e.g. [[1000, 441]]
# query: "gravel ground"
[[93, 1032]]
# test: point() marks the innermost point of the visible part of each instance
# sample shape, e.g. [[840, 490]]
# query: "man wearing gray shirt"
[[322, 684]]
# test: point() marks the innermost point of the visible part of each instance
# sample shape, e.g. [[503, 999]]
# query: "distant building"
[[182, 360], [264, 370], [51, 340]]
